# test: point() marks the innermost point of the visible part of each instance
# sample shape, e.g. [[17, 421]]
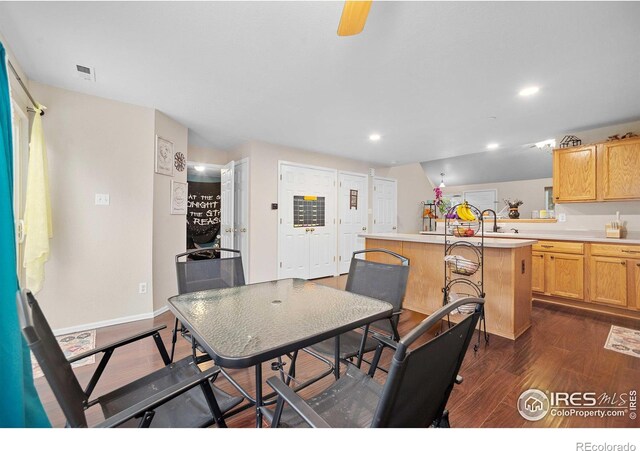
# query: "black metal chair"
[[384, 281], [178, 395], [415, 393], [205, 269]]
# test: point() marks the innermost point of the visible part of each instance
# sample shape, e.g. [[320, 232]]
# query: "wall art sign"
[[164, 156], [353, 199], [178, 198]]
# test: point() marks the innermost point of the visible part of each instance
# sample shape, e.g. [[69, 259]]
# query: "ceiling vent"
[[86, 73]]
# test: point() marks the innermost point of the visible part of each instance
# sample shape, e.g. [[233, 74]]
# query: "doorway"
[[20, 165], [204, 205], [385, 205], [218, 208], [307, 244], [352, 216]]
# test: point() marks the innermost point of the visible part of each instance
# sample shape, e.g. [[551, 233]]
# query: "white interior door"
[[241, 212], [227, 208], [306, 249], [352, 216], [385, 205], [322, 238]]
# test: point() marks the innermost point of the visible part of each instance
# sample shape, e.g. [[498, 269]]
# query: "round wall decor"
[[180, 161]]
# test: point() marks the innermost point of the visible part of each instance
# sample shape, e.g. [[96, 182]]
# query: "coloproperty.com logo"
[[534, 404]]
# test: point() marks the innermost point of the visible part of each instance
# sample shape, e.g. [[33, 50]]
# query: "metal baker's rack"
[[464, 264]]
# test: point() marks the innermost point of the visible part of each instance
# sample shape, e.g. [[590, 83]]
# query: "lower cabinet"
[[565, 275], [610, 276], [609, 281], [537, 272], [557, 274]]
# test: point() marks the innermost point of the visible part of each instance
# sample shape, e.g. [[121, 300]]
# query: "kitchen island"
[[507, 276]]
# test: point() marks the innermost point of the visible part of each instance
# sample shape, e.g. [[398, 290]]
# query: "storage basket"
[[460, 265]]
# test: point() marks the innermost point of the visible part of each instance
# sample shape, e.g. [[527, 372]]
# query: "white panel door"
[[351, 220], [306, 251], [385, 205], [322, 245], [293, 242], [227, 207], [241, 212]]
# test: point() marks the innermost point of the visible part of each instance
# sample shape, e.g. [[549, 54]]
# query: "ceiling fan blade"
[[354, 16]]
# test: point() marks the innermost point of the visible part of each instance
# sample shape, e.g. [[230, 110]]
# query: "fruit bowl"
[[461, 231]]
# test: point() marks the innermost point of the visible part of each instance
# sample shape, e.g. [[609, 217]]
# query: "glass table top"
[[245, 325]]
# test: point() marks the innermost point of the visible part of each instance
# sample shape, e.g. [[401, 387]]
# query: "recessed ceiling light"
[[531, 90], [374, 137], [199, 168], [394, 161], [492, 146]]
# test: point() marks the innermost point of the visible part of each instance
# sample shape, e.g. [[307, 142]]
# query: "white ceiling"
[[427, 76]]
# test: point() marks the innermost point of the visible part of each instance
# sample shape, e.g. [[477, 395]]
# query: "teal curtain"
[[19, 402]]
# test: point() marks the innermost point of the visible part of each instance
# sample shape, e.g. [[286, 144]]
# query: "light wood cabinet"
[[574, 174], [634, 301], [608, 277], [620, 169], [606, 171], [565, 275], [537, 272]]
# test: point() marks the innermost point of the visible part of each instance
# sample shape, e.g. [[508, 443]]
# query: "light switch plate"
[[142, 288], [102, 199], [562, 217]]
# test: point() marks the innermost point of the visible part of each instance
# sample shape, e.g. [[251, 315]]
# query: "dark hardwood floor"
[[562, 351]]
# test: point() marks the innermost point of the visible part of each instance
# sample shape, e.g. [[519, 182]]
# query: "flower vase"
[[514, 213]]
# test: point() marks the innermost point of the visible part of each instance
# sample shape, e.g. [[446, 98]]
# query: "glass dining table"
[[242, 327]]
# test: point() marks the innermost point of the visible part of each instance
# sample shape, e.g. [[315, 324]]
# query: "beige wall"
[[413, 188], [530, 192], [209, 156], [169, 231], [263, 191], [99, 254]]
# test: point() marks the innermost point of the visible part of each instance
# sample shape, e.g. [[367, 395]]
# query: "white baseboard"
[[110, 322]]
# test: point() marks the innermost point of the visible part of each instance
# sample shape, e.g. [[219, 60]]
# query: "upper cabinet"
[[574, 174], [601, 172], [620, 169]]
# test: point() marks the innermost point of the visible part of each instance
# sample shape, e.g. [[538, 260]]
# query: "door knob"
[[364, 228], [313, 230], [394, 227], [243, 230], [307, 229]]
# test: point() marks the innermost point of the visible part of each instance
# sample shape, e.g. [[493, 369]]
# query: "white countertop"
[[439, 239], [591, 236]]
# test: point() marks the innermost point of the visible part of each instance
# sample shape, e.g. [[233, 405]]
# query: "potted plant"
[[513, 208]]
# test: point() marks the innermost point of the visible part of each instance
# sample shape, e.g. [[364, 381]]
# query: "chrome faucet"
[[495, 219]]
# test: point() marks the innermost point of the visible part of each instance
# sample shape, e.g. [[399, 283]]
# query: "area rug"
[[626, 341], [72, 345]]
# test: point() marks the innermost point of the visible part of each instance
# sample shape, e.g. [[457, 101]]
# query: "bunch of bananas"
[[464, 212]]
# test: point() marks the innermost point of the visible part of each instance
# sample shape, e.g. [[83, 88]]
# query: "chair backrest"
[[55, 367], [420, 380], [209, 273], [384, 281]]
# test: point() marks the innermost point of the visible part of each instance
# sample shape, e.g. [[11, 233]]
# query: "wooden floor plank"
[[563, 350]]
